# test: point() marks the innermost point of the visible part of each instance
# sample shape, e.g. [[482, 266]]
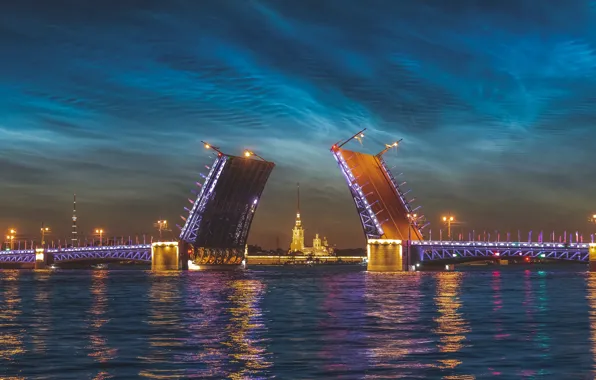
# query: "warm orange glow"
[[13, 231], [450, 219], [247, 153], [99, 231], [207, 146]]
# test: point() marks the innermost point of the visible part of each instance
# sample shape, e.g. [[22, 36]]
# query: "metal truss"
[[21, 257], [109, 255], [190, 229], [416, 223], [141, 252], [448, 250], [372, 227]]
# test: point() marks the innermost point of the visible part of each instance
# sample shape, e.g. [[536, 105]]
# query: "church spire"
[[298, 222]]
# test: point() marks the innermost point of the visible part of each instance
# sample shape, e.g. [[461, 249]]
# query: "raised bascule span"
[[386, 215], [214, 235], [217, 225]]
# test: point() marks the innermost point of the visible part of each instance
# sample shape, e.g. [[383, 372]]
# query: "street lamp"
[[592, 220], [44, 231], [10, 237], [99, 232], [248, 153], [162, 225], [448, 220]]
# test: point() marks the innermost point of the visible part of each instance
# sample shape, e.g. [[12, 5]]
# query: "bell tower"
[[297, 232]]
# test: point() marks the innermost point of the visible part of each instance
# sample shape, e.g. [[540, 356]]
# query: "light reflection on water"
[[393, 303], [11, 340], [452, 328], [298, 323]]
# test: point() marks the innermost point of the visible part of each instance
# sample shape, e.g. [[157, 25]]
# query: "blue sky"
[[495, 102]]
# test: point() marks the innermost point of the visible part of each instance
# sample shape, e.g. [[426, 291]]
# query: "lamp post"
[[99, 232], [411, 222], [44, 230], [592, 220], [448, 220], [161, 225], [10, 237]]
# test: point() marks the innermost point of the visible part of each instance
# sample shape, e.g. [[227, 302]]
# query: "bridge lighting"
[[207, 146], [44, 231], [10, 237], [448, 220], [99, 231], [162, 225], [248, 153]]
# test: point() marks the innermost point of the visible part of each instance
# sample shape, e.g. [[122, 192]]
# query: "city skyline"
[[496, 124]]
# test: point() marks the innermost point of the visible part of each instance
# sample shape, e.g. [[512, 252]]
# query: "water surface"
[[299, 323]]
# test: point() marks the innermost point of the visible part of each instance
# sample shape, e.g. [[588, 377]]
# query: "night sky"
[[495, 102]]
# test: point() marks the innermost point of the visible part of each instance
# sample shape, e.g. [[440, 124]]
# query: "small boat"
[[100, 266]]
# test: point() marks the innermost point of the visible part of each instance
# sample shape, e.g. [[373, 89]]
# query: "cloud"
[[493, 101]]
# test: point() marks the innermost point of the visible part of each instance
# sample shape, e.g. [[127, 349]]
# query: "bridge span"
[[140, 253], [427, 251], [390, 223]]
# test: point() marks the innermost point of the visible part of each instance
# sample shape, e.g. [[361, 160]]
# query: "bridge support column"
[[40, 258], [165, 256], [386, 255], [592, 257]]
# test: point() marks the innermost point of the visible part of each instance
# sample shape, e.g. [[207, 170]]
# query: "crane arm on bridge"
[[389, 146]]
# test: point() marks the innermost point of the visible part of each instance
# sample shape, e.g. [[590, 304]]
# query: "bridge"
[[219, 219], [214, 233], [390, 222], [140, 253]]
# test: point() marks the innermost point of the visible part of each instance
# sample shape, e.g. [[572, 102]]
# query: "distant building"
[[319, 247]]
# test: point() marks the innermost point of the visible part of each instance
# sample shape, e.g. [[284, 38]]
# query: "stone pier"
[[385, 255], [166, 256], [41, 261]]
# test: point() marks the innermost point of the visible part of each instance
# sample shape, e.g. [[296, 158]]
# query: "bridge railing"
[[449, 243]]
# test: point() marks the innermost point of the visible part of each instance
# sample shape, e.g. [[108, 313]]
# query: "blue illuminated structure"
[[217, 226], [465, 250]]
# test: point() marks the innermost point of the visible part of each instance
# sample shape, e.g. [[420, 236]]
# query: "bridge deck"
[[370, 180]]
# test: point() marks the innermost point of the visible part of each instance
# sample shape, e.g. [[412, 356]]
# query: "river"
[[337, 322]]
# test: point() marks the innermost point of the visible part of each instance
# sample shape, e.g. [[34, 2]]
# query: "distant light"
[[207, 146], [542, 255], [247, 153], [362, 135]]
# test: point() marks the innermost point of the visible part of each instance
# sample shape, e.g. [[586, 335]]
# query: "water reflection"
[[96, 319], [245, 329], [11, 339], [342, 310], [165, 325], [395, 336], [225, 326], [452, 328], [592, 304], [41, 313]]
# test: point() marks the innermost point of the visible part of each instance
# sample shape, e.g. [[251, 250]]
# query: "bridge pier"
[[386, 255], [167, 256], [592, 257], [41, 261]]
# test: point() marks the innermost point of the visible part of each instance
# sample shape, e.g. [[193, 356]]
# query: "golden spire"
[[298, 222]]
